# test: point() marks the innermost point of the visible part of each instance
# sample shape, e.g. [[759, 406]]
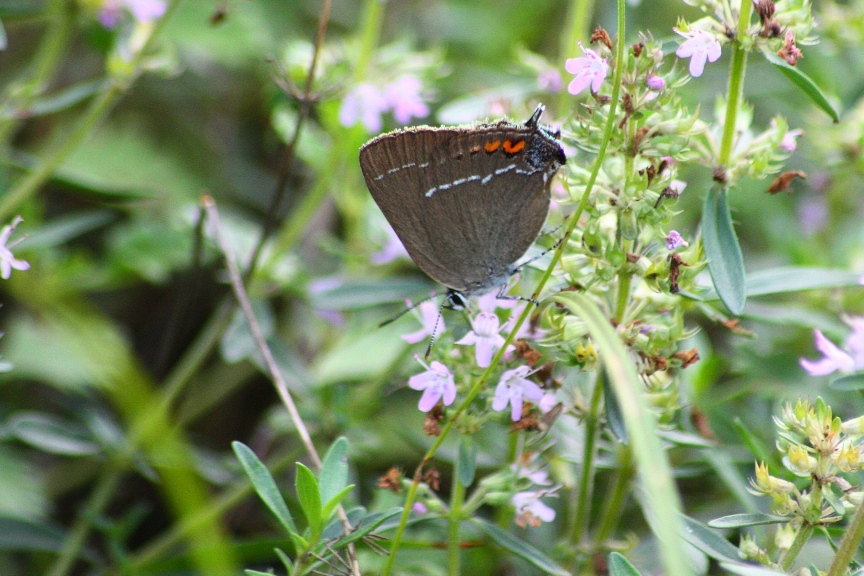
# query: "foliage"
[[187, 228]]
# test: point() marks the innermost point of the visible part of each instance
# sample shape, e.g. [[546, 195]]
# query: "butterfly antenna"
[[434, 330], [405, 311]]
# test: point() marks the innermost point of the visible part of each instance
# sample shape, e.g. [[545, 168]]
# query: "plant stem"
[[576, 28], [624, 280], [457, 497], [77, 536], [621, 487], [56, 38], [736, 83], [556, 257], [586, 479], [849, 545], [804, 533]]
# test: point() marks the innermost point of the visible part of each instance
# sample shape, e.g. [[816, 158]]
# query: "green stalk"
[[576, 28], [849, 545], [556, 257], [736, 83], [620, 488], [454, 519], [30, 184], [586, 478], [77, 536], [19, 95], [372, 21], [624, 281], [801, 538]]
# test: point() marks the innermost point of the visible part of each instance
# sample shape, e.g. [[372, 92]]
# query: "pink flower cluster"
[[366, 103]]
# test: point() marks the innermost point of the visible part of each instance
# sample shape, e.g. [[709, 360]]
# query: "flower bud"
[[655, 83]]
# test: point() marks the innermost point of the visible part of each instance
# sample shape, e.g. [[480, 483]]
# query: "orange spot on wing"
[[513, 147], [492, 146], [474, 150]]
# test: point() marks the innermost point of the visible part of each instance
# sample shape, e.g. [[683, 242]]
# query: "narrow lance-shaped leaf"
[[804, 83], [309, 497], [722, 250], [264, 485], [467, 460], [652, 464], [520, 548], [334, 470], [620, 566], [708, 541], [742, 520]]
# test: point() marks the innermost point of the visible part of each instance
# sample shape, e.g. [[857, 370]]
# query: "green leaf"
[[334, 470], [834, 501], [357, 294], [63, 99], [685, 439], [310, 499], [722, 250], [741, 520], [467, 460], [749, 569], [16, 534], [264, 485], [520, 548], [620, 566], [256, 573], [804, 83], [331, 504], [651, 461], [613, 412], [366, 525], [59, 231], [794, 279], [51, 434], [286, 561], [708, 541], [848, 383], [752, 441]]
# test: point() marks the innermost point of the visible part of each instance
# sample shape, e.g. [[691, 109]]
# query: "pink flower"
[[674, 240], [364, 103], [484, 337], [699, 47], [489, 302], [589, 70], [142, 10], [428, 317], [404, 96], [789, 142], [513, 389], [538, 477], [392, 249], [419, 508], [549, 80], [530, 511], [835, 359], [8, 262], [526, 330], [436, 383], [677, 186], [547, 403]]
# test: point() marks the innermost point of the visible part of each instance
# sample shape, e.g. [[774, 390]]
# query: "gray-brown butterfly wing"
[[467, 203]]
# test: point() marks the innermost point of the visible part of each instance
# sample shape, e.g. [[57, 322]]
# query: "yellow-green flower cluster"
[[816, 445]]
